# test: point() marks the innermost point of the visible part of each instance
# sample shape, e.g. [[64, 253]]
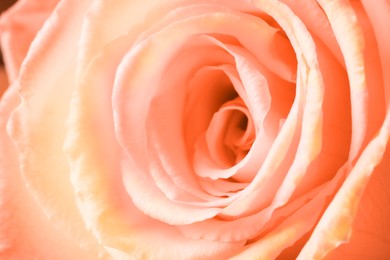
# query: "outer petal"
[[25, 232], [341, 213], [379, 16], [37, 125], [370, 238], [285, 234], [336, 225], [18, 27], [314, 18], [349, 35], [110, 19]]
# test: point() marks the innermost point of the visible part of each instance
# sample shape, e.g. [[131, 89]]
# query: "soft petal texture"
[[46, 172], [18, 27], [370, 236], [343, 229], [23, 226], [139, 61], [349, 34], [379, 17], [341, 213], [132, 231]]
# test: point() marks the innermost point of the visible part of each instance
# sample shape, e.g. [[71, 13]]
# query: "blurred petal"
[[18, 27], [25, 232], [3, 81], [37, 125]]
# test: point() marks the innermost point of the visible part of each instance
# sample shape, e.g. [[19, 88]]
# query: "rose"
[[105, 215], [197, 130]]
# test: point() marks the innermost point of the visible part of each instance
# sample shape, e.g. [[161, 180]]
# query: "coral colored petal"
[[371, 226], [141, 60], [18, 27], [253, 227], [350, 38], [340, 215], [285, 234], [379, 15], [154, 204], [107, 21], [314, 18], [310, 142], [336, 123], [375, 88], [122, 228]]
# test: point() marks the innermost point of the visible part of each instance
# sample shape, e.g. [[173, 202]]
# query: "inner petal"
[[230, 134]]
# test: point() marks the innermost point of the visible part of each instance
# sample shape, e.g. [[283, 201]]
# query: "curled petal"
[[341, 213]]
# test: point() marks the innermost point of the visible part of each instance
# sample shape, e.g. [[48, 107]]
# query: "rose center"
[[230, 134]]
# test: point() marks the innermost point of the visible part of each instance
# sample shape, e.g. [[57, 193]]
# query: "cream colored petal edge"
[[301, 40], [119, 225], [37, 125], [310, 142], [335, 226], [127, 92], [286, 234], [350, 38], [379, 16], [110, 19], [25, 232]]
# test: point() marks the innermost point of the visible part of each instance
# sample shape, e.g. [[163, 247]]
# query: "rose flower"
[[195, 129]]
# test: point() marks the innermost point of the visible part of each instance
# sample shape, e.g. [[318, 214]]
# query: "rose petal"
[[37, 125], [375, 89], [286, 233], [336, 123], [349, 36], [107, 20], [18, 27], [255, 226], [116, 222], [370, 229], [138, 63], [340, 214], [310, 142], [231, 231], [314, 18], [378, 14], [3, 81], [25, 231]]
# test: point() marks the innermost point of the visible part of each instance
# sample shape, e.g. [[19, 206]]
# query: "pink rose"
[[195, 129]]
